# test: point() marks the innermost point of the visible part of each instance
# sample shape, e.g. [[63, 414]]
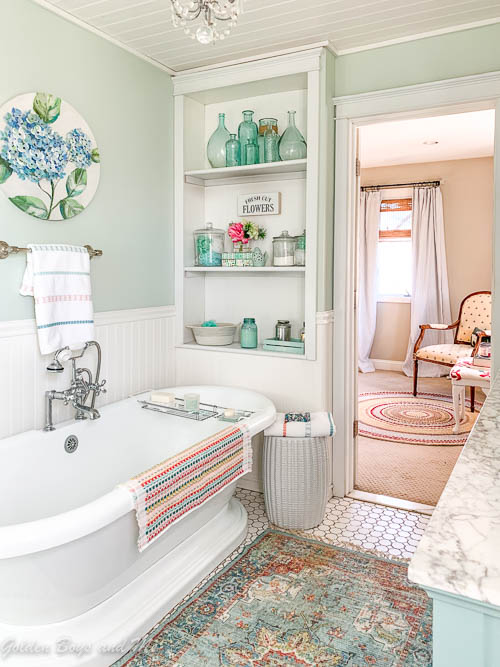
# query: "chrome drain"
[[71, 444]]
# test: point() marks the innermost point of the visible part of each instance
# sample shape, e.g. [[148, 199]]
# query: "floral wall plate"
[[49, 161]]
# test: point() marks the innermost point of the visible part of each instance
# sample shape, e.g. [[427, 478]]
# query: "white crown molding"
[[325, 317], [86, 26], [418, 36], [264, 67], [27, 327], [474, 89]]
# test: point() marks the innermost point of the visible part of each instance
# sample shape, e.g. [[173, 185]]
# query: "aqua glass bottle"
[[271, 145], [233, 152], [216, 147], [292, 144], [247, 130], [249, 334], [251, 152]]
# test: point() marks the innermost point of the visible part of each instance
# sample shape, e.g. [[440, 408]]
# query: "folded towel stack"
[[302, 425], [58, 277]]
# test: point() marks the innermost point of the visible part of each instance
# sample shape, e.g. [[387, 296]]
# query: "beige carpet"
[[411, 472]]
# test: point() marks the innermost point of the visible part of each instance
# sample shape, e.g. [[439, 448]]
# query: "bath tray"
[[205, 412]]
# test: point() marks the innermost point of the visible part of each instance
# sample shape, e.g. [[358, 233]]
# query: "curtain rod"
[[430, 184]]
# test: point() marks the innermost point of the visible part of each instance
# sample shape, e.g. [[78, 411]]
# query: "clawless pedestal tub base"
[[108, 631]]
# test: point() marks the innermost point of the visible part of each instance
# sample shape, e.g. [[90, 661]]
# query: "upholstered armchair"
[[475, 311]]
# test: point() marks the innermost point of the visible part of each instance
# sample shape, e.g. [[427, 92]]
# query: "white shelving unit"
[[270, 87]]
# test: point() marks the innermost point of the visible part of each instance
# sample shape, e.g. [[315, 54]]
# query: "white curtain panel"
[[430, 300], [369, 224]]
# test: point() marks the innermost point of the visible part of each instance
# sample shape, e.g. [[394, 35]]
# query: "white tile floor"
[[350, 523]]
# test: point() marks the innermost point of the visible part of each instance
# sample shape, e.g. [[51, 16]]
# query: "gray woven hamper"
[[295, 480]]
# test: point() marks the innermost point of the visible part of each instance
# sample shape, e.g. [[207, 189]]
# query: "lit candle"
[[229, 412]]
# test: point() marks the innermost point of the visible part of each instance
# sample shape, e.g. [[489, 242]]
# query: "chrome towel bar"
[[6, 250]]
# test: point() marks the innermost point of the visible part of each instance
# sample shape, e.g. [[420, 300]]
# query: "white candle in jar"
[[229, 412]]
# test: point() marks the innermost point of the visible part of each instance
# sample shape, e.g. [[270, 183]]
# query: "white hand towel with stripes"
[[58, 277]]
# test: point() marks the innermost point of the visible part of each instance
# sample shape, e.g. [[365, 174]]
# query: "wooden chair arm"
[[423, 329]]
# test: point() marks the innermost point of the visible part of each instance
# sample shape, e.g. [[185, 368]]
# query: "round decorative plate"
[[426, 419], [49, 160]]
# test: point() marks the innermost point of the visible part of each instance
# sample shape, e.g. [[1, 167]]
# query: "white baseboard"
[[389, 501], [387, 365]]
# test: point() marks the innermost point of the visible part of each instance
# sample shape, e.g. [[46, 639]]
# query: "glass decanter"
[[216, 147], [247, 131], [292, 144]]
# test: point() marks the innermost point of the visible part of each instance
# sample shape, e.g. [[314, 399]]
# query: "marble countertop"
[[460, 550]]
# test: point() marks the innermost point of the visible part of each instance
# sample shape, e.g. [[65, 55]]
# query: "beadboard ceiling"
[[274, 25], [458, 137]]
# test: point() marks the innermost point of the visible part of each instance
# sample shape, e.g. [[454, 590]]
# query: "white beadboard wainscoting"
[[138, 349], [292, 384]]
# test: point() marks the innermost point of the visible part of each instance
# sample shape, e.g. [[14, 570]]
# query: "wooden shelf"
[[269, 171], [235, 348], [245, 269]]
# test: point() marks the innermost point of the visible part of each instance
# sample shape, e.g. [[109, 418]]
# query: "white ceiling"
[[459, 136], [273, 25]]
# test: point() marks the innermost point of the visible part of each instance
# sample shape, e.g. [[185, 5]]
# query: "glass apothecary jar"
[[284, 249], [208, 246]]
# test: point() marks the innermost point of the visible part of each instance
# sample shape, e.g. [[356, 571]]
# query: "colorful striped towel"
[[302, 425], [170, 490], [58, 277]]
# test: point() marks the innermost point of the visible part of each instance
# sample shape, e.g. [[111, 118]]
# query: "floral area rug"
[[426, 419], [288, 601]]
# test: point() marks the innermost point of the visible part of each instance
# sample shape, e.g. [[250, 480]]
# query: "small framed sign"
[[267, 203]]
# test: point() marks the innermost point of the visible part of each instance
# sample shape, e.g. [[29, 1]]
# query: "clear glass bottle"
[[271, 143], [216, 147], [292, 144], [208, 246], [284, 249], [233, 152], [249, 334], [251, 152], [302, 333], [300, 250], [264, 124], [247, 130]]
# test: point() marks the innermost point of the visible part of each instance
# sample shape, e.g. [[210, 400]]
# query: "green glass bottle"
[[233, 152], [292, 144], [247, 131], [216, 147]]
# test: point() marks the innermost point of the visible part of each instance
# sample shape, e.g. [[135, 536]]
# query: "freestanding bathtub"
[[74, 589]]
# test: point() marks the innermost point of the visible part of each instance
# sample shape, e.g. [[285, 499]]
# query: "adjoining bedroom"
[[424, 297]]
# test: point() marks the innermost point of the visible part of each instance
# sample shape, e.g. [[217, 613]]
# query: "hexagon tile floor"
[[350, 523]]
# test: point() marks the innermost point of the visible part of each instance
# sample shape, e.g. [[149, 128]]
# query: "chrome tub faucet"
[[82, 385]]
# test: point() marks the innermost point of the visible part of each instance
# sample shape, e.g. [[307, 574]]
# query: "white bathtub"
[[69, 563]]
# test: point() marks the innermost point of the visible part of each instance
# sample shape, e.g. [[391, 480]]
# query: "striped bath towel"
[[302, 425], [58, 277], [170, 490]]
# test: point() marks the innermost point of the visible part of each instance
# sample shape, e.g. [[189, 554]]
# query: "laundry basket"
[[295, 480]]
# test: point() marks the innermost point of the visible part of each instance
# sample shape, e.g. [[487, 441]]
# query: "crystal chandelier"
[[217, 17]]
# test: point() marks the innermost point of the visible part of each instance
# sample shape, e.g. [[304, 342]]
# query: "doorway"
[[353, 114]]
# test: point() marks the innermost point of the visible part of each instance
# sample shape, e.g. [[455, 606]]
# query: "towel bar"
[[6, 250]]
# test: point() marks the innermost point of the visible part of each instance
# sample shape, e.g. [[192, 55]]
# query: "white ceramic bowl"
[[222, 334]]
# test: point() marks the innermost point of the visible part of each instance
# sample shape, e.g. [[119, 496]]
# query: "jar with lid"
[[284, 249], [283, 330], [249, 334], [208, 246], [300, 250]]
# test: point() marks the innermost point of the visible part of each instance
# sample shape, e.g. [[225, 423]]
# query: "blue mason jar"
[[249, 333]]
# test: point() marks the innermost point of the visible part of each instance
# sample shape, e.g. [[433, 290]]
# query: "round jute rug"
[[426, 419]]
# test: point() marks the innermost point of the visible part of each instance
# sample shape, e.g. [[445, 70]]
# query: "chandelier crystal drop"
[[208, 21]]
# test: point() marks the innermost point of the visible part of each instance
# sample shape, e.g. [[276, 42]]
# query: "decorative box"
[[292, 346], [237, 259]]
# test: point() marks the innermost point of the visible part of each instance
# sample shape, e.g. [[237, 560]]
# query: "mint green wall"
[[129, 106], [442, 57]]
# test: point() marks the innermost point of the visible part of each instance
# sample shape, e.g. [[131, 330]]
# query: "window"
[[394, 248]]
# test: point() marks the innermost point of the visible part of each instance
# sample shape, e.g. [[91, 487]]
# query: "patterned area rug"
[[288, 601], [426, 419]]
